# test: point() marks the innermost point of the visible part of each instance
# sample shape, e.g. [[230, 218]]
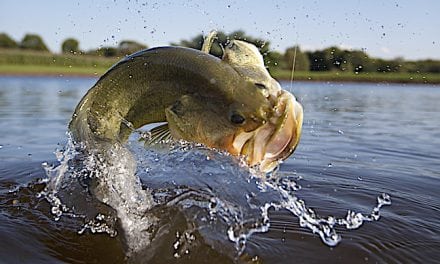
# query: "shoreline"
[[91, 72], [14, 62]]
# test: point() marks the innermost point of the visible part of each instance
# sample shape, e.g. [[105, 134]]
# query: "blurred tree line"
[[29, 41], [70, 45], [328, 59]]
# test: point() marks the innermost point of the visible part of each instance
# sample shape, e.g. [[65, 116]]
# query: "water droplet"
[[330, 165]]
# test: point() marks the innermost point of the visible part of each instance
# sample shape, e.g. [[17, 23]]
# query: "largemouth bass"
[[220, 103]]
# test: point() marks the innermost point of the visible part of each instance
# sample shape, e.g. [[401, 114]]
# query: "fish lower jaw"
[[275, 140]]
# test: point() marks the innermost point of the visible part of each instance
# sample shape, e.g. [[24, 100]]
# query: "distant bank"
[[19, 63], [375, 77]]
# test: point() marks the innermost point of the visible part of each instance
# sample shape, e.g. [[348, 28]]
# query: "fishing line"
[[293, 68]]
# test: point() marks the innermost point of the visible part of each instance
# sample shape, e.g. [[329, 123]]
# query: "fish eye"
[[261, 86], [237, 119]]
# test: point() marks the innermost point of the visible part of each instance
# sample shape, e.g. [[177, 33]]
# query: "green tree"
[[70, 45], [7, 42], [294, 53], [127, 47], [319, 61], [420, 66], [33, 42], [104, 52], [274, 60], [432, 66], [337, 59], [382, 65], [360, 62]]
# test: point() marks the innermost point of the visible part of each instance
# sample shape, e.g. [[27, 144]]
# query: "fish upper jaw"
[[276, 139]]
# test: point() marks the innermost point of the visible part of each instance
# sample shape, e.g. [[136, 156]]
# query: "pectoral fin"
[[159, 134]]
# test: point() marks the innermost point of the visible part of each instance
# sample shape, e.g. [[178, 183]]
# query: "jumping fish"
[[231, 104]]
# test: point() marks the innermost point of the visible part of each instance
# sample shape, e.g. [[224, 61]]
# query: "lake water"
[[359, 141]]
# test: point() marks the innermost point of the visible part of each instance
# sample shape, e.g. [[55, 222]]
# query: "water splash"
[[99, 225], [78, 183], [56, 176], [323, 226], [218, 197]]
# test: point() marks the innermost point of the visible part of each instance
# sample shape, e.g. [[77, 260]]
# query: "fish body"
[[140, 87], [202, 98]]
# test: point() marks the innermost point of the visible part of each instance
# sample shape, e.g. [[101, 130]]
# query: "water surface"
[[359, 141]]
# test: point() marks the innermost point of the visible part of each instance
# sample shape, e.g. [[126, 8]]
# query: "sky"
[[386, 29]]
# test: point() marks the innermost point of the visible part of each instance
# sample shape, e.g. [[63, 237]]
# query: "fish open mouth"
[[276, 139]]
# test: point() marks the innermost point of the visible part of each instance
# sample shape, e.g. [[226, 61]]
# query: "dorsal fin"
[[208, 40], [159, 134]]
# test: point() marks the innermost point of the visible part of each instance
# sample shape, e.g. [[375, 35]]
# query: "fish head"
[[277, 137], [203, 120], [263, 140]]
